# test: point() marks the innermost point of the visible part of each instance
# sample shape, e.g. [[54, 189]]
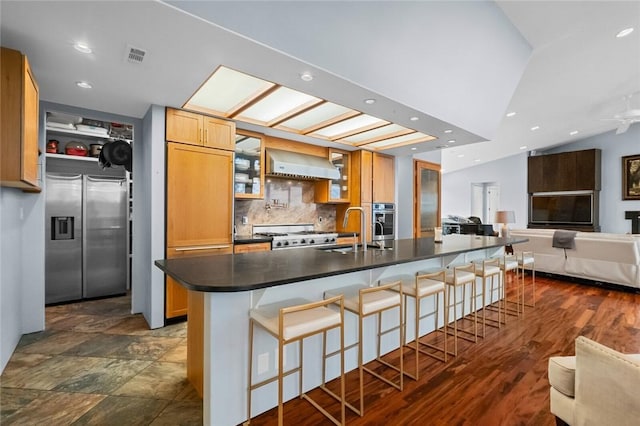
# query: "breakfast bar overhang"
[[222, 290]]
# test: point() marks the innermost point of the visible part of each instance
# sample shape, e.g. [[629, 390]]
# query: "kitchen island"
[[222, 290]]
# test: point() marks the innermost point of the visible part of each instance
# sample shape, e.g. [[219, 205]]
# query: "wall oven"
[[383, 221]]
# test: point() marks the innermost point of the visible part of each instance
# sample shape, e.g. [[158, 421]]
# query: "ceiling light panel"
[[278, 105], [322, 115], [374, 135], [226, 91], [409, 139], [360, 123]]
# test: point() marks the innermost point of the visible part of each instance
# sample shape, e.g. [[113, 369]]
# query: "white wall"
[[510, 173], [21, 263], [404, 197], [148, 218], [613, 147]]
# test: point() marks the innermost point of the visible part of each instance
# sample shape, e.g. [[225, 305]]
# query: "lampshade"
[[505, 216]]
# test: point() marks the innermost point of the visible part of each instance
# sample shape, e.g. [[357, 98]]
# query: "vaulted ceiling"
[[458, 66]]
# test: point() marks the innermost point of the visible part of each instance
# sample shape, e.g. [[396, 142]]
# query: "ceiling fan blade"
[[623, 127]]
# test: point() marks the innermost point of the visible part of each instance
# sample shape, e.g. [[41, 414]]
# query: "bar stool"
[[364, 301], [461, 276], [423, 285], [292, 321], [489, 269], [509, 262], [526, 260]]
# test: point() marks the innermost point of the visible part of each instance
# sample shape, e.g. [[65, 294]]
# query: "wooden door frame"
[[419, 165]]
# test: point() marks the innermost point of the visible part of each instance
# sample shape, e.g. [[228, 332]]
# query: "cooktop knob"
[[278, 244], [312, 241], [302, 241], [286, 243]]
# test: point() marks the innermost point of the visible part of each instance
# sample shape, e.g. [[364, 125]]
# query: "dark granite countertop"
[[250, 239], [231, 273]]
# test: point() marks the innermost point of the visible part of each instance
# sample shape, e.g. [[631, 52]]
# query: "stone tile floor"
[[96, 364]]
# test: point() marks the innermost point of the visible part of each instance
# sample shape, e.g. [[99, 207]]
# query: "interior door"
[[427, 198]]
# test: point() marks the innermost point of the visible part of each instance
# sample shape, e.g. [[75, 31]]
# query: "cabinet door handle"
[[212, 247]]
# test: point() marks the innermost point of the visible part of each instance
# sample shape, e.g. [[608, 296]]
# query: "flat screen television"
[[561, 208]]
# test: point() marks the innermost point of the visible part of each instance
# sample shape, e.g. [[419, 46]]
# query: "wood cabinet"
[[251, 247], [249, 165], [565, 171], [199, 209], [198, 129], [345, 240], [383, 177], [18, 123], [333, 191], [361, 184]]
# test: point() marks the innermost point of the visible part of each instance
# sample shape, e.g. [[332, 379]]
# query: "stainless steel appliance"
[[86, 237], [383, 221], [296, 235]]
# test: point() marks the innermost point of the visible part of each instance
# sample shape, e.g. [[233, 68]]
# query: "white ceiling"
[[576, 74]]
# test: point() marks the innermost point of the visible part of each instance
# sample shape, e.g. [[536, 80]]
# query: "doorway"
[[485, 200], [427, 200]]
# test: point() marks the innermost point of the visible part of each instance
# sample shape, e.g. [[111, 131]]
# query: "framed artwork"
[[631, 177]]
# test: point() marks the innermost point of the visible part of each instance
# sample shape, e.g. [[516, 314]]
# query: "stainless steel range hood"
[[300, 166]]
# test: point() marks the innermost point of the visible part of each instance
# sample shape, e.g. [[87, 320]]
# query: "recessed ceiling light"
[[523, 147], [82, 47], [448, 131], [369, 101], [511, 114], [535, 128], [460, 155], [414, 148], [306, 76], [414, 118], [575, 132], [477, 160], [451, 141], [83, 84], [624, 32]]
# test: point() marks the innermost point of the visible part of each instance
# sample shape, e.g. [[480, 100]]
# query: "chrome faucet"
[[363, 226]]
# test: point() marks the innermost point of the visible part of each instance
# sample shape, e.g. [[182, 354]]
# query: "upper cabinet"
[[565, 171], [336, 190], [383, 175], [18, 123], [249, 165], [198, 129]]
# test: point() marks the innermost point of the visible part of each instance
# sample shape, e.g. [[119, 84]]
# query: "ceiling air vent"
[[135, 55]]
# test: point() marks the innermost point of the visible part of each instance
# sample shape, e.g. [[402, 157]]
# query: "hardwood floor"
[[501, 380]]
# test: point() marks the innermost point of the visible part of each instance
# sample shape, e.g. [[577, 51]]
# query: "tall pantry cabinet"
[[199, 198]]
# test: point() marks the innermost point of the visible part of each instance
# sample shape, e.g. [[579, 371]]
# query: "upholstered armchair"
[[597, 386]]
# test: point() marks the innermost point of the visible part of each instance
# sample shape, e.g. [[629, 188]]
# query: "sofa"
[[597, 386], [600, 257]]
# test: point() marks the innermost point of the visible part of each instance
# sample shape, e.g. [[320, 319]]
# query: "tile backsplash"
[[285, 202]]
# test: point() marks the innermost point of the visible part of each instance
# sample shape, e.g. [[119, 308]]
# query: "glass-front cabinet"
[[336, 190], [249, 165]]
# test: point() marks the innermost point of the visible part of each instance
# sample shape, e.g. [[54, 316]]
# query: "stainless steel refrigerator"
[[86, 237]]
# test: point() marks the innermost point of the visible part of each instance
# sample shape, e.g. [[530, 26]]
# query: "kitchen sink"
[[344, 249]]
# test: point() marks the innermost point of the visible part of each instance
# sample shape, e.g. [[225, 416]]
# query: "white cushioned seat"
[[295, 323], [509, 264], [425, 285], [460, 277], [487, 270], [371, 302]]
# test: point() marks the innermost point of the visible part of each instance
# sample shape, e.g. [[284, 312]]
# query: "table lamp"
[[505, 217]]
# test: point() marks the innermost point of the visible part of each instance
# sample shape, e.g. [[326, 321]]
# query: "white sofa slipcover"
[[609, 258], [597, 386]]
